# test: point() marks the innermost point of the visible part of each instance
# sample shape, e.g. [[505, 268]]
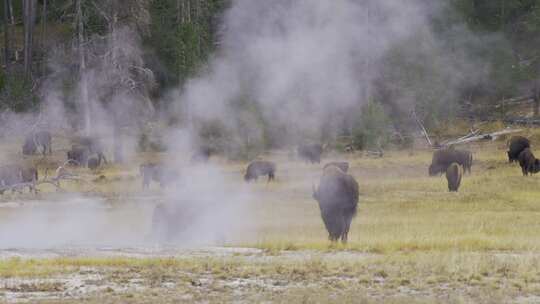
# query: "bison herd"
[[337, 193]]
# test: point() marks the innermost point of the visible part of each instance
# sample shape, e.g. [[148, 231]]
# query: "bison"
[[528, 162], [443, 158], [35, 140], [202, 154], [78, 154], [344, 166], [516, 145], [171, 220], [158, 173], [337, 196], [11, 175], [93, 163], [260, 168], [30, 175], [310, 153], [454, 172], [93, 145]]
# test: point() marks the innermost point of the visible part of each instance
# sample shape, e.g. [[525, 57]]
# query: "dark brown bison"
[[78, 155], [337, 196], [35, 140], [260, 168], [93, 163], [202, 154], [11, 175], [310, 153], [528, 162], [344, 166], [454, 172], [171, 220], [442, 159], [158, 173], [30, 175], [516, 144], [93, 145]]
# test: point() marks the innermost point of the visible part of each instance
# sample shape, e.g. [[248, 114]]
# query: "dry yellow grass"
[[414, 241]]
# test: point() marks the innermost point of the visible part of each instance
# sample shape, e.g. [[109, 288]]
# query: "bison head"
[[536, 167], [433, 170]]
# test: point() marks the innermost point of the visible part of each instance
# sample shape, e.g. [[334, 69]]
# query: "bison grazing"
[[260, 168], [35, 140], [442, 159], [11, 175], [528, 163], [515, 146], [169, 221], [158, 173], [78, 155], [454, 172], [30, 175], [93, 163], [310, 153], [337, 196], [202, 154], [344, 166], [93, 145]]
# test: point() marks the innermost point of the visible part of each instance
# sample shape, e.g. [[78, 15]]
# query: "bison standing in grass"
[[528, 162], [260, 168], [515, 146], [170, 221], [344, 166], [11, 175], [78, 155], [93, 146], [442, 159], [310, 153], [158, 173], [454, 172], [35, 140], [337, 196]]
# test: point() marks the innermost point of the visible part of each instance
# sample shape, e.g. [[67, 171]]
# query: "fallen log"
[[487, 136]]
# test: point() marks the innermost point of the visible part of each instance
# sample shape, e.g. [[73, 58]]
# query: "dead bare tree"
[[29, 18], [6, 35]]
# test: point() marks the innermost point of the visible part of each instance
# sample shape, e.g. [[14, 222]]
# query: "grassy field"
[[411, 242]]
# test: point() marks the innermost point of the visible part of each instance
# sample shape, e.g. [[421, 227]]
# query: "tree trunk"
[[10, 10], [188, 11], [82, 69], [43, 34], [6, 35], [29, 20], [43, 23]]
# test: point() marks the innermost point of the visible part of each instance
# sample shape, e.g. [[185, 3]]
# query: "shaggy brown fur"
[[158, 173], [528, 162], [260, 168], [443, 158], [310, 153], [516, 145], [454, 172], [337, 196], [39, 139], [344, 166]]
